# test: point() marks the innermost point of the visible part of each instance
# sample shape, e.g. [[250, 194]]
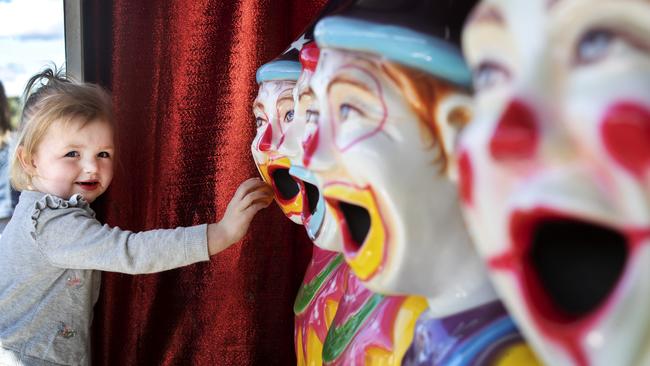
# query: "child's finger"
[[260, 194], [253, 209], [247, 186]]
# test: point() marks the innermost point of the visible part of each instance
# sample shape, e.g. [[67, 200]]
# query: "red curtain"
[[182, 77]]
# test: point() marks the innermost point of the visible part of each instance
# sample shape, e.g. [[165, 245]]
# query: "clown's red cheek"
[[465, 178], [626, 135], [309, 146], [516, 135], [265, 141]]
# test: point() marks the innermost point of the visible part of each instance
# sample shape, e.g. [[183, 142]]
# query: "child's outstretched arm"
[[251, 196]]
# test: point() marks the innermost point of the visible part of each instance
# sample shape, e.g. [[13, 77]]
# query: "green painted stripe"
[[338, 338], [308, 291]]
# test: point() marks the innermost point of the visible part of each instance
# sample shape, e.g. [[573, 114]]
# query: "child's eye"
[[72, 154], [103, 154]]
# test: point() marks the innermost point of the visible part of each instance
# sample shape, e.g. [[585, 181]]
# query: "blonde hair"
[[50, 97]]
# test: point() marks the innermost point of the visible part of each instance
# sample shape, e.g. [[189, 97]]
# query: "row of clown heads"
[[475, 179]]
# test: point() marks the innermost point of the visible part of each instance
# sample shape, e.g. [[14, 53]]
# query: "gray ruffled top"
[[50, 254]]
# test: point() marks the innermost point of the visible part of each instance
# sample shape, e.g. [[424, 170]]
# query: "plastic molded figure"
[[393, 93], [319, 223], [338, 320], [555, 172], [273, 109]]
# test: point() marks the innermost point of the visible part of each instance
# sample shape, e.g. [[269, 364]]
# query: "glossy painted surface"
[[382, 171], [554, 169], [316, 304], [485, 335], [273, 109], [371, 329], [318, 220]]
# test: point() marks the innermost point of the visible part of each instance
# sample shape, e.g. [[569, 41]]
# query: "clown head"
[[273, 109], [555, 176], [391, 100], [318, 220]]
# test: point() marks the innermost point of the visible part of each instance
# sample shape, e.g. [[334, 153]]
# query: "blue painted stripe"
[[468, 351], [398, 44], [278, 70], [317, 217]]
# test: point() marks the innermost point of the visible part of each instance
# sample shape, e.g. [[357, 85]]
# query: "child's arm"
[[251, 196], [69, 237]]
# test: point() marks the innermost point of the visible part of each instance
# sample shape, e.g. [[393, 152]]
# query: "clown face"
[[318, 220], [273, 109], [554, 171], [381, 171]]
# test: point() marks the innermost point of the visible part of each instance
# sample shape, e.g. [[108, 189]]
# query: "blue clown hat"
[[423, 34]]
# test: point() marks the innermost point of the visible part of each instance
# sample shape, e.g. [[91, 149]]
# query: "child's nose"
[[90, 165]]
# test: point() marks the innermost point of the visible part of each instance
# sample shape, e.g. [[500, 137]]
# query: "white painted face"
[[555, 171], [273, 109], [317, 218], [380, 169]]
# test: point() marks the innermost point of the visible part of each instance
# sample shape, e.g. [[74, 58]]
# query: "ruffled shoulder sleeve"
[[50, 205]]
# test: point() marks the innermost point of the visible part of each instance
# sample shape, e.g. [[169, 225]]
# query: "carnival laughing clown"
[[392, 94], [319, 223], [338, 320], [326, 277], [555, 171], [273, 109]]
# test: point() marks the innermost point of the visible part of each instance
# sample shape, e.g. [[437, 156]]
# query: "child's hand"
[[251, 196]]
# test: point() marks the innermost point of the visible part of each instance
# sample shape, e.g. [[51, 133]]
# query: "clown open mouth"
[[312, 197], [284, 184], [355, 225], [573, 265]]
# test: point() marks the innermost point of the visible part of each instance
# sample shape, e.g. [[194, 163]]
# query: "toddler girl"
[[53, 247]]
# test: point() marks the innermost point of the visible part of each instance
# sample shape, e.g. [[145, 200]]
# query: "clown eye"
[[489, 74], [288, 117], [593, 45], [312, 116], [259, 121], [346, 111]]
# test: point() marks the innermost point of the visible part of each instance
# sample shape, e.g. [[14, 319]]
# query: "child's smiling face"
[[74, 158]]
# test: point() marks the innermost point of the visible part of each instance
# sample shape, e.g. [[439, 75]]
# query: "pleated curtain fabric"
[[182, 76]]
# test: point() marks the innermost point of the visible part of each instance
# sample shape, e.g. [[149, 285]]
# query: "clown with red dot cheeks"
[[273, 110], [554, 171], [319, 222], [369, 152]]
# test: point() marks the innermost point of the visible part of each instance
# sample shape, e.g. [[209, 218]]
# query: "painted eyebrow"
[[346, 80], [285, 98], [307, 93], [486, 14], [258, 105]]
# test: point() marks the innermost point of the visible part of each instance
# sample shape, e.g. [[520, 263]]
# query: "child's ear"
[[26, 162], [453, 113]]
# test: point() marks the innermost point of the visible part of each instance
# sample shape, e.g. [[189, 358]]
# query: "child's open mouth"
[[88, 185]]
